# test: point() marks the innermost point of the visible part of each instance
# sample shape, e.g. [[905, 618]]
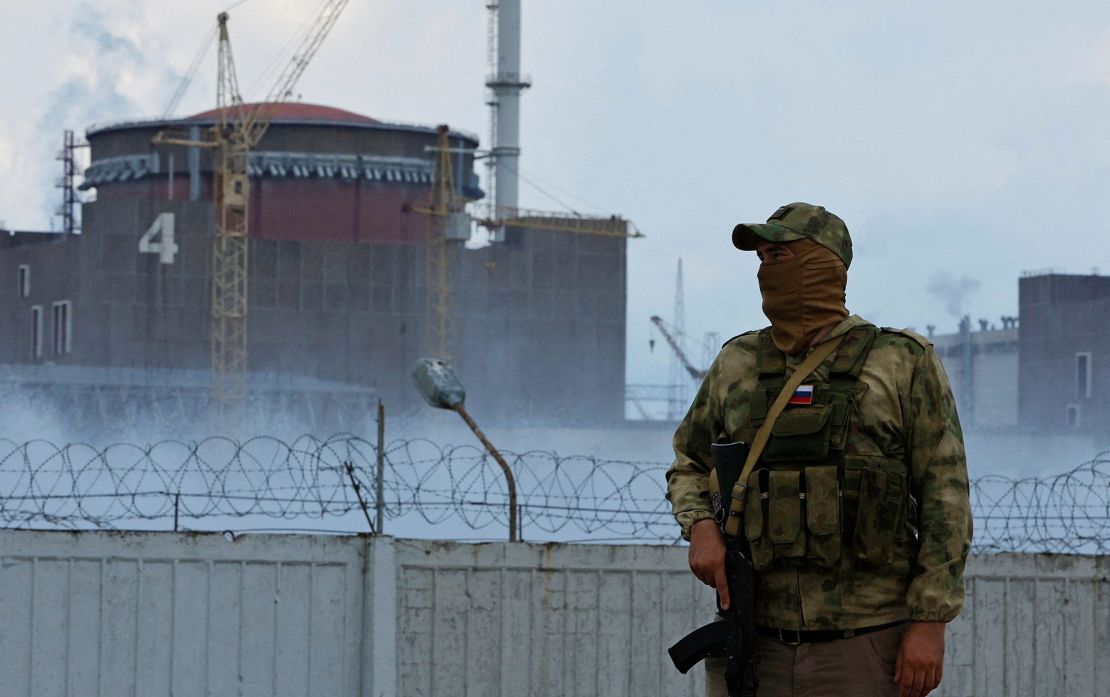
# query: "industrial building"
[[286, 255], [1064, 357], [1046, 376], [337, 272]]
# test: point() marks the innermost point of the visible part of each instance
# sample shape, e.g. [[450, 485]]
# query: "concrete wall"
[[50, 259], [1036, 625], [501, 619], [985, 378], [542, 328], [163, 613], [1063, 316], [142, 614]]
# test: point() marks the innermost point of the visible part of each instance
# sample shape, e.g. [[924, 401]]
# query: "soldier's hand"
[[920, 659], [707, 557]]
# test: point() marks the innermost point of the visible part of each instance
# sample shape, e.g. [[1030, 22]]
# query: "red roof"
[[299, 111]]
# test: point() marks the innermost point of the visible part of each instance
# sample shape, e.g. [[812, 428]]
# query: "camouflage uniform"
[[903, 407], [900, 411]]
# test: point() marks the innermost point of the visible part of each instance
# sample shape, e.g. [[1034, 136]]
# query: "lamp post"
[[441, 388]]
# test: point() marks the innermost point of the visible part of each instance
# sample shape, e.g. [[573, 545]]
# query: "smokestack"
[[505, 83]]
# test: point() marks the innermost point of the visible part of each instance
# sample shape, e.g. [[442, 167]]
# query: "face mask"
[[802, 294]]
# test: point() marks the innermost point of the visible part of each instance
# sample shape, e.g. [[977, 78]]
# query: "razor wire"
[[453, 490]]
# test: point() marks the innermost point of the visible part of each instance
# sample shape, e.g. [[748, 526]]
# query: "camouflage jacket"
[[903, 408]]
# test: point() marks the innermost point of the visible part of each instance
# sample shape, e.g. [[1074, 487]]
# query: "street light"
[[441, 388]]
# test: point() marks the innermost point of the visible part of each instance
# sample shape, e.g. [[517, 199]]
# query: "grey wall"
[[1061, 316], [990, 402], [543, 327], [147, 613], [134, 311], [52, 259], [133, 614]]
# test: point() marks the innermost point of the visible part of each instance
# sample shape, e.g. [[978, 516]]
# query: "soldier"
[[856, 513]]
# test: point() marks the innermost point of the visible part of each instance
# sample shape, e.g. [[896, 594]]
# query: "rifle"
[[734, 635]]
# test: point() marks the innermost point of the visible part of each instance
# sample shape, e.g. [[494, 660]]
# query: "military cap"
[[797, 221]]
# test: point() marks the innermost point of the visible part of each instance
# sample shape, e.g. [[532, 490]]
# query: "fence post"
[[379, 501], [379, 620]]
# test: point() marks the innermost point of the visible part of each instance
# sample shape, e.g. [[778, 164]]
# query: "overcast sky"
[[963, 143]]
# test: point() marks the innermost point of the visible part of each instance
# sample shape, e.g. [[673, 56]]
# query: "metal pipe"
[[510, 481], [379, 503], [967, 373]]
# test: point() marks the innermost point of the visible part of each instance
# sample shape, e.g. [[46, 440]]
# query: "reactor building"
[[338, 290], [356, 266]]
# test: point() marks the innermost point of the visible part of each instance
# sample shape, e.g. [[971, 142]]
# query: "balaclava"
[[802, 294]]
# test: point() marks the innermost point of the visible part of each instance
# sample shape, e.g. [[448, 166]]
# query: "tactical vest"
[[808, 501]]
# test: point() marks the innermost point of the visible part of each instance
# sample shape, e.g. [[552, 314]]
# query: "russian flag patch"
[[802, 396]]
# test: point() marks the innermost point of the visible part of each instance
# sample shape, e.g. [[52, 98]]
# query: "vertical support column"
[[379, 622], [967, 374], [193, 156]]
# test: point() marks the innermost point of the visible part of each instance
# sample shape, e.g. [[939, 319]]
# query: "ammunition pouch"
[[793, 516], [882, 495]]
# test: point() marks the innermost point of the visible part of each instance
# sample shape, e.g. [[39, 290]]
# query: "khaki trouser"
[[862, 666]]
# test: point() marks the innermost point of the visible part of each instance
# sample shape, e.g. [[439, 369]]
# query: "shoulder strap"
[[736, 505], [853, 351], [737, 337], [771, 361], [925, 343]]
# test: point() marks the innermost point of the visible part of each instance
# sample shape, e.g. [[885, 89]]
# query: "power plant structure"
[[347, 217]]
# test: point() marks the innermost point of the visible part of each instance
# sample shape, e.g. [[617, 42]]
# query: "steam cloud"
[[105, 86], [952, 292]]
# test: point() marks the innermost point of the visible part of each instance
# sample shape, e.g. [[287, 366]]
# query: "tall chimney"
[[505, 83]]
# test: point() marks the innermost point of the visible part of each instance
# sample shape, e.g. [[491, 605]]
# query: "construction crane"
[[449, 228], [238, 130], [662, 327]]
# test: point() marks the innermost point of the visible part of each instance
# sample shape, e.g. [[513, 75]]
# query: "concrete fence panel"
[[141, 614], [1035, 625], [500, 619], [161, 614]]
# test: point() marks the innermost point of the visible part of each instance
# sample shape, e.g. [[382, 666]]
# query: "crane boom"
[[263, 113], [662, 327], [606, 226], [239, 129]]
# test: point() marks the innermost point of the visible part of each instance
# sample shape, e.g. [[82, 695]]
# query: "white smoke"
[[952, 292]]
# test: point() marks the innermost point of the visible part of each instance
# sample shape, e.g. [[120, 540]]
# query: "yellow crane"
[[449, 228], [239, 128]]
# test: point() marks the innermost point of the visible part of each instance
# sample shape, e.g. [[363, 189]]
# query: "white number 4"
[[165, 246]]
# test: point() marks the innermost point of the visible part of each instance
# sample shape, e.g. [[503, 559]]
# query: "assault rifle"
[[734, 635]]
